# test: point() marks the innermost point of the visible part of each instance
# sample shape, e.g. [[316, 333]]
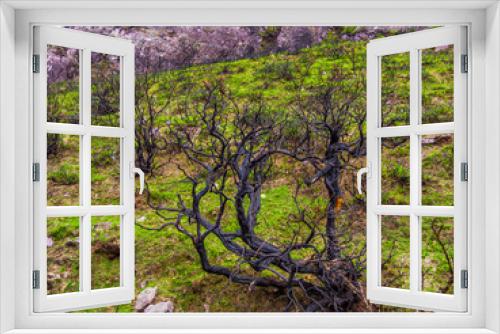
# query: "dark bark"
[[233, 157]]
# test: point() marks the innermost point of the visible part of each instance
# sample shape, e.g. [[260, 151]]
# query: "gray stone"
[[145, 298], [53, 276], [102, 226], [72, 243], [162, 307]]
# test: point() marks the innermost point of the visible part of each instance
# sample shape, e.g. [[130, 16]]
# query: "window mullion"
[[415, 244], [85, 170]]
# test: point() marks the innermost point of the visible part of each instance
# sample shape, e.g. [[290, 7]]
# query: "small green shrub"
[[66, 174], [96, 176], [401, 173], [62, 228], [106, 152]]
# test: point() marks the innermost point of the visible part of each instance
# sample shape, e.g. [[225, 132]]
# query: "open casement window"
[[417, 171], [86, 104]]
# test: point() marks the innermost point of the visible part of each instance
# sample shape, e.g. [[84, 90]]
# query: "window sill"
[[253, 331], [15, 160]]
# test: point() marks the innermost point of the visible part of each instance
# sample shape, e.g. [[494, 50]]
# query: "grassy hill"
[[166, 259]]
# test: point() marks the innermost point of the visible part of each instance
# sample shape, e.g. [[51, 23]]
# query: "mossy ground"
[[166, 259]]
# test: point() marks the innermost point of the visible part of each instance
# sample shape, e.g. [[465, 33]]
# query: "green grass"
[[167, 260], [66, 174]]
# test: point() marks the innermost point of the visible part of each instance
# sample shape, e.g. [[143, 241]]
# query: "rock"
[[63, 260], [141, 219], [163, 307], [206, 307], [145, 298], [53, 276], [102, 226], [72, 243], [436, 139], [110, 249], [50, 242]]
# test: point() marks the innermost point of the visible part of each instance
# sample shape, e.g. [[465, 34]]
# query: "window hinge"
[[36, 279], [464, 279], [464, 171], [36, 63], [465, 64], [36, 172]]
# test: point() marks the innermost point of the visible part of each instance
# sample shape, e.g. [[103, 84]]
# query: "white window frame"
[[86, 43], [412, 44], [18, 17]]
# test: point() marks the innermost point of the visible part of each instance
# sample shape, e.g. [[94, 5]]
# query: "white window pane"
[[105, 89], [437, 254], [395, 265], [395, 93], [63, 255], [395, 174], [63, 82], [437, 84], [105, 252], [105, 171], [437, 169], [63, 170]]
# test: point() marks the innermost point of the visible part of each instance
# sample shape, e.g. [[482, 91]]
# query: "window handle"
[[134, 170], [361, 171]]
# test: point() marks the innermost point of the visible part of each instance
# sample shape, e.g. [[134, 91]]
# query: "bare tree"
[[231, 158], [333, 116], [150, 105], [105, 89]]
